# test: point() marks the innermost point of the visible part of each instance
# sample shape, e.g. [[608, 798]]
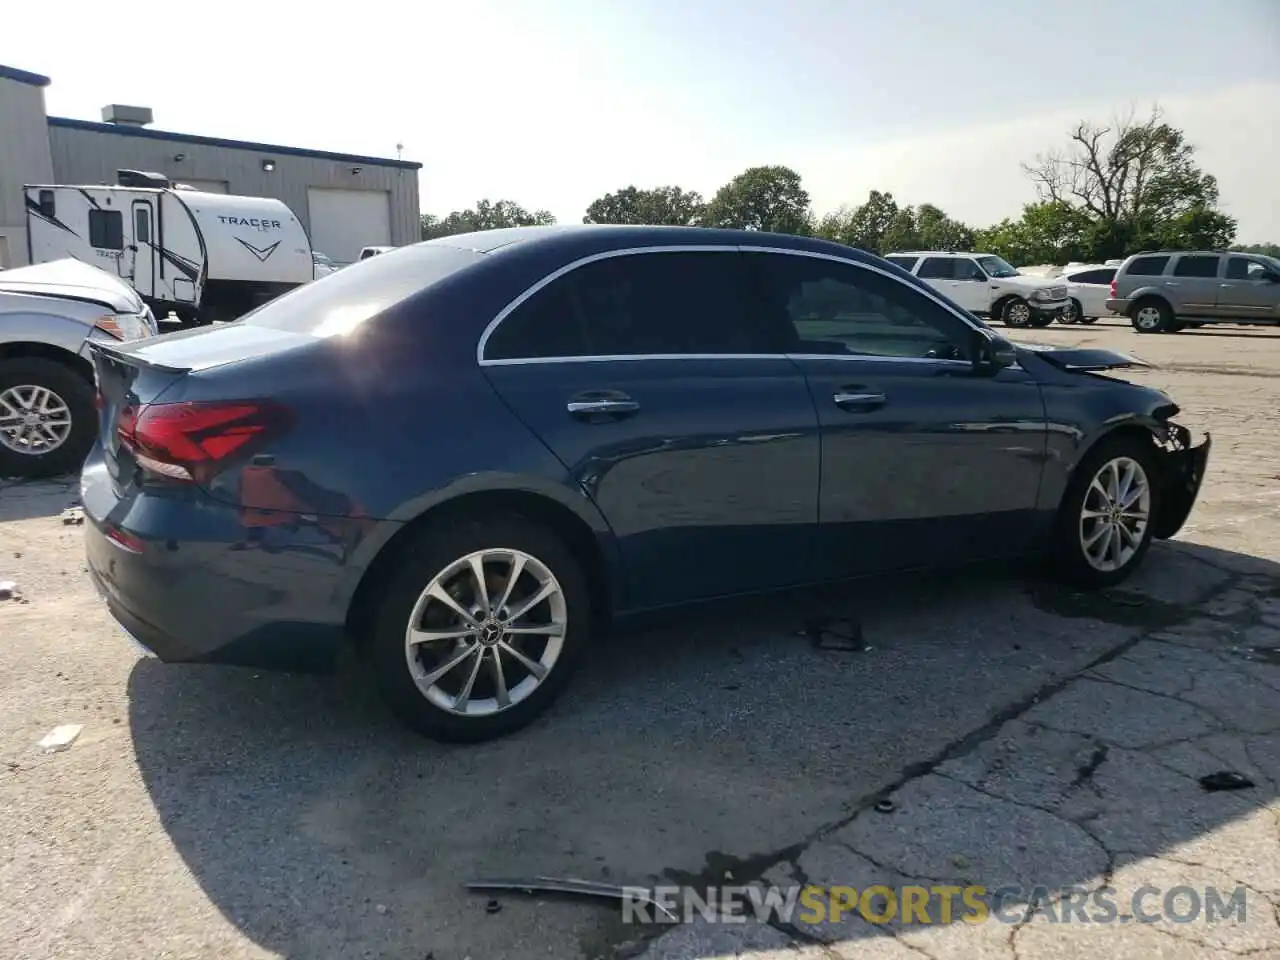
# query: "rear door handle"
[[602, 405], [858, 397]]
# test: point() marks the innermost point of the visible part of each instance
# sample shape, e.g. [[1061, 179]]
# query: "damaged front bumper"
[[1183, 473]]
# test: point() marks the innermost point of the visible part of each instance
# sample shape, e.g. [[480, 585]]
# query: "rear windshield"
[[343, 300]]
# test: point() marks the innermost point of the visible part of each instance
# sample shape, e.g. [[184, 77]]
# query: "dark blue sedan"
[[469, 456]]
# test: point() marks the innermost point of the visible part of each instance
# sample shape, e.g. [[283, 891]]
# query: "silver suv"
[[1167, 291]]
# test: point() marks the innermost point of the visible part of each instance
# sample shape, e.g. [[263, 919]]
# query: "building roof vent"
[[125, 116]]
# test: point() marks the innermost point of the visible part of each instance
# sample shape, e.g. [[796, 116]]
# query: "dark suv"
[[1167, 291]]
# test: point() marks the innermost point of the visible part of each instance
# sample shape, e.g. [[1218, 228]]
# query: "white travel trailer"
[[204, 256]]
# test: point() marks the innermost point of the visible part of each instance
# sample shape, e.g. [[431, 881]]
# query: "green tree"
[[485, 215], [1047, 232], [881, 226], [1137, 185], [660, 206], [762, 198], [1266, 249]]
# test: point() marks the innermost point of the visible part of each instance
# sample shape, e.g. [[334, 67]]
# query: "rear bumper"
[[1184, 469], [1120, 307], [190, 586]]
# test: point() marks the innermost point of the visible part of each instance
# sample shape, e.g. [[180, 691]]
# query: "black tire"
[[1138, 316], [438, 547], [76, 392], [1067, 556], [1074, 313], [1016, 312]]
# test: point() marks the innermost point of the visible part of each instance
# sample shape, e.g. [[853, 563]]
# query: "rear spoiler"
[[120, 353]]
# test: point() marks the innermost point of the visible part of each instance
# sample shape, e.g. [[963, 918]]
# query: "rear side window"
[[1093, 276], [1196, 267], [635, 305], [1147, 266], [906, 263], [356, 293], [937, 268], [106, 229]]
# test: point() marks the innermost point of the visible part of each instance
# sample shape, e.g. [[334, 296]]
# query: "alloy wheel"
[[1017, 315], [486, 632], [1148, 319], [1115, 514], [34, 420]]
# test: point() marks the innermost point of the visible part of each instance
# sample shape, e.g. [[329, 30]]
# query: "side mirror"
[[993, 353]]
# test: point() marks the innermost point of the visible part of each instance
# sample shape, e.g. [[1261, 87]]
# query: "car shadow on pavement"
[[1021, 733], [31, 499]]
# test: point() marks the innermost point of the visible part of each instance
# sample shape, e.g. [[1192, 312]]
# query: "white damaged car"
[[988, 286], [48, 313]]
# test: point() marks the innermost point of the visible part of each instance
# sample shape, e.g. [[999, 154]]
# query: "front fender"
[[49, 329]]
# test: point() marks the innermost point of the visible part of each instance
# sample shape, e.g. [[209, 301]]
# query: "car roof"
[[585, 239]]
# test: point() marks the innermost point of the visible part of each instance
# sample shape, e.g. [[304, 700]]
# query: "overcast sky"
[[555, 102]]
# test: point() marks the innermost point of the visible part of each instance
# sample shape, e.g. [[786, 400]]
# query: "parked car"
[[367, 252], [471, 455], [1168, 291], [1089, 287], [323, 264], [48, 313], [988, 286]]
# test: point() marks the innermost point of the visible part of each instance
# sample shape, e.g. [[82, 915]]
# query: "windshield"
[[996, 267], [352, 295]]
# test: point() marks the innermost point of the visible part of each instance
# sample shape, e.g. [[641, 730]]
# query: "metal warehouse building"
[[345, 201]]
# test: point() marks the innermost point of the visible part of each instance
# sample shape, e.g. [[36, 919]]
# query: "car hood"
[[1082, 359], [1033, 282], [73, 280]]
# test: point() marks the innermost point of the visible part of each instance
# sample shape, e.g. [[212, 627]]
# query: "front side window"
[[997, 267], [640, 304], [966, 269], [1196, 267], [1241, 268], [106, 229], [843, 309]]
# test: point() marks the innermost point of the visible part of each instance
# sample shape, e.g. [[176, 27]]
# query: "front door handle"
[[856, 397]]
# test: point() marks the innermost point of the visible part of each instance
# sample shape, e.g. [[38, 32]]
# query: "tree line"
[[1108, 191]]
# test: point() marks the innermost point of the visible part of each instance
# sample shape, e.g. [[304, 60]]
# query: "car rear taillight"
[[197, 439], [1113, 289]]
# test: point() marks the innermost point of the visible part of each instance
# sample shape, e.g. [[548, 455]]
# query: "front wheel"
[[47, 418], [1103, 528], [1073, 312], [1016, 312], [480, 628]]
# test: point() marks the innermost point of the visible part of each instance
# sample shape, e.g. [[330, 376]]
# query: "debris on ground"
[[61, 738], [8, 590], [72, 517], [885, 806], [836, 633], [572, 887], [493, 906], [1225, 780]]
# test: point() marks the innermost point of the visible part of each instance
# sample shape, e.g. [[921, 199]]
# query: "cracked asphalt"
[[1024, 735]]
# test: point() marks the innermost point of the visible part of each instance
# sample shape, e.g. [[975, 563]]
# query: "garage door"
[[343, 221], [204, 186]]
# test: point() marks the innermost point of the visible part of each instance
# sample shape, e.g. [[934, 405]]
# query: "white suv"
[[984, 284]]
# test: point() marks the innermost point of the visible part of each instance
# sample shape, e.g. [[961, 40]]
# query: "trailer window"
[[106, 229], [47, 207], [141, 225]]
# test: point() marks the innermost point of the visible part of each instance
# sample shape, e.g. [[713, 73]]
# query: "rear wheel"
[[1103, 527], [480, 628], [47, 418], [1151, 316]]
